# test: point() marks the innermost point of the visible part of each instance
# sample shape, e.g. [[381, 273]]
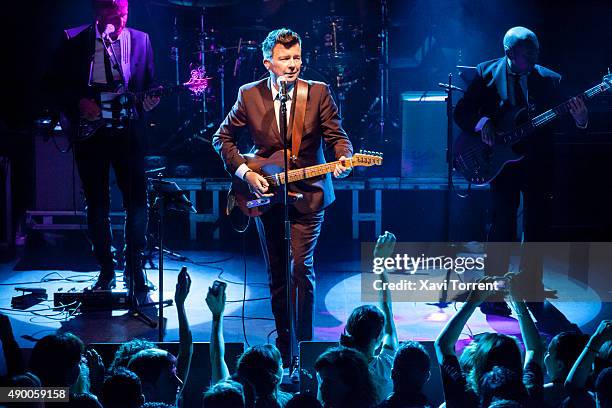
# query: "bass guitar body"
[[480, 163]]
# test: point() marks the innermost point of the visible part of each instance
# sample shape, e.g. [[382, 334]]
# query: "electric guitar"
[[120, 102], [480, 163], [272, 169]]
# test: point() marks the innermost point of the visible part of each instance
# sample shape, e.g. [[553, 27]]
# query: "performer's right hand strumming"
[[89, 109], [257, 184]]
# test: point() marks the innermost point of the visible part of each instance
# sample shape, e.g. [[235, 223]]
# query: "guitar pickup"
[[258, 202]]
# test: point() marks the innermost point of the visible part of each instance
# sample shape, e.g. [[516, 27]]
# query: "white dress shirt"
[[243, 168]]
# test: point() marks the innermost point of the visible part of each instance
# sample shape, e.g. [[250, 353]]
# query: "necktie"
[[519, 95]]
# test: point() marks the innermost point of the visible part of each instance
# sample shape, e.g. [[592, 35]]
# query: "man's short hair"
[[568, 346], [519, 35], [224, 394], [83, 400], [122, 389], [54, 357], [149, 364], [411, 365], [284, 36], [103, 4]]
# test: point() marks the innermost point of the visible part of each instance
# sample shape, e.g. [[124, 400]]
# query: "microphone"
[[108, 30], [450, 87], [281, 81]]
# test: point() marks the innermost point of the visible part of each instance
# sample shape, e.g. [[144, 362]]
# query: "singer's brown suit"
[[254, 110]]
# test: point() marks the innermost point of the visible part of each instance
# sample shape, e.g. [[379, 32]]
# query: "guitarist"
[[516, 80], [258, 110], [92, 59]]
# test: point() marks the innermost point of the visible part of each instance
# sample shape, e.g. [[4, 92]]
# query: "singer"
[[258, 109], [94, 61]]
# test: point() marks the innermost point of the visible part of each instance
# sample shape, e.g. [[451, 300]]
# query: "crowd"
[[369, 368]]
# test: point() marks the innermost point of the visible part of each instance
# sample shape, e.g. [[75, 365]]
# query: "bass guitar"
[[480, 163]]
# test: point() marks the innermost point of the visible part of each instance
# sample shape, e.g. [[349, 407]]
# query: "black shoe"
[[495, 308], [104, 283], [148, 286]]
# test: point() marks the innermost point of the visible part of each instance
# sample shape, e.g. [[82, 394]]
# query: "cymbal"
[[203, 3]]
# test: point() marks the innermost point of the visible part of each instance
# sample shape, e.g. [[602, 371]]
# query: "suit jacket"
[[254, 109], [68, 77], [487, 95]]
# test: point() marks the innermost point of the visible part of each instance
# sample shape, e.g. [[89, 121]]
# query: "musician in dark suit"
[[257, 109], [516, 80], [106, 56]]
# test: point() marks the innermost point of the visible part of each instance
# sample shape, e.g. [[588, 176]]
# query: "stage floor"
[[338, 292]]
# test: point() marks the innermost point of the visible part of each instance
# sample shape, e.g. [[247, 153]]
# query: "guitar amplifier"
[[58, 186], [424, 134]]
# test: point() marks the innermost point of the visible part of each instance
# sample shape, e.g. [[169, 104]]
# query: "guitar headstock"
[[198, 82], [607, 79], [367, 158]]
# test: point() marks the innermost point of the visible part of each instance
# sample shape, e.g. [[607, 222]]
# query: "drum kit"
[[334, 51]]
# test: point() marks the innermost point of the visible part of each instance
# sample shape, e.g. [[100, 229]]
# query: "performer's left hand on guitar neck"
[[579, 111], [341, 171], [150, 102]]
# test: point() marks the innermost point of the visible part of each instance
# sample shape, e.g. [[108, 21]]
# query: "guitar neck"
[[312, 171], [159, 92], [563, 108], [551, 114]]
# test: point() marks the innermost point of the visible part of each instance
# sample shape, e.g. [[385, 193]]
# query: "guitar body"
[[273, 169], [240, 195], [79, 129], [480, 163]]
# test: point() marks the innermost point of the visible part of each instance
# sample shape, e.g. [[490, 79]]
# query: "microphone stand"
[[287, 223], [449, 88]]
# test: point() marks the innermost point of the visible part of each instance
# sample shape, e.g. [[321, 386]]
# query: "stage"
[[338, 291]]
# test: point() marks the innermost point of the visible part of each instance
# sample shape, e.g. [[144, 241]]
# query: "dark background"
[[427, 40]]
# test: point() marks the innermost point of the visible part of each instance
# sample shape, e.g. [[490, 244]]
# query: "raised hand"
[[96, 370], [385, 245], [478, 296], [183, 285], [603, 333], [216, 303]]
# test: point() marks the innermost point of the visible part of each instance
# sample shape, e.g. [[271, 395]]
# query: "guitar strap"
[[299, 114]]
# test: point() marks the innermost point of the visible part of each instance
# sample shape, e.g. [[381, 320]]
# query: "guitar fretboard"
[[544, 118], [308, 172]]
